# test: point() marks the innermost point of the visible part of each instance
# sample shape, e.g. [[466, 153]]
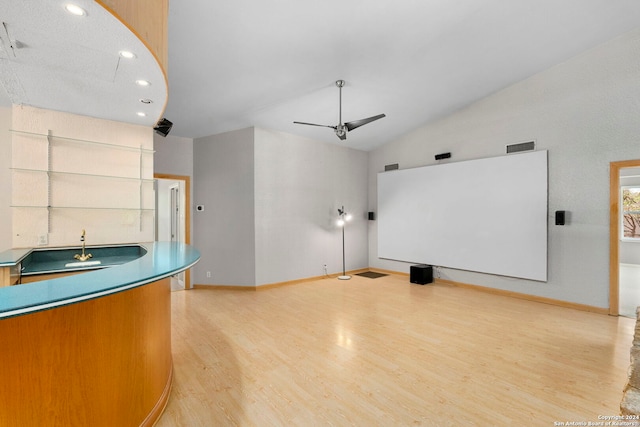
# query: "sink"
[[82, 263], [52, 260]]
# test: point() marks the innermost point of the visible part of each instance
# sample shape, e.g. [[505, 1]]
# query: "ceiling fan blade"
[[357, 123], [314, 124]]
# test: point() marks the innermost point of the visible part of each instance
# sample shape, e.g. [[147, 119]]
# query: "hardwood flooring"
[[384, 352]]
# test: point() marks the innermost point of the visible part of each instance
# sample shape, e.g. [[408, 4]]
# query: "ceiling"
[[52, 59], [242, 63]]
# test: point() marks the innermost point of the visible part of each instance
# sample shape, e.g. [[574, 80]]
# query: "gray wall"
[[6, 234], [585, 112], [223, 181], [300, 184], [271, 202], [174, 156]]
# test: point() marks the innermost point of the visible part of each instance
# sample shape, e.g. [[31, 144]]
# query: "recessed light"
[[142, 83], [141, 114], [75, 9], [127, 54], [146, 101]]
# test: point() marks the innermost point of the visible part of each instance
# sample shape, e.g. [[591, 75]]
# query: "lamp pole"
[[344, 273], [343, 218]]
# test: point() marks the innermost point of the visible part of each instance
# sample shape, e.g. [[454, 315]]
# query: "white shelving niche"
[[63, 185]]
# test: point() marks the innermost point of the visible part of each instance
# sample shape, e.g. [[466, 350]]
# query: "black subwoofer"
[[421, 274]]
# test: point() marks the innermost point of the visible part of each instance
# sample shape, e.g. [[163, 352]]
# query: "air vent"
[[523, 146], [390, 167]]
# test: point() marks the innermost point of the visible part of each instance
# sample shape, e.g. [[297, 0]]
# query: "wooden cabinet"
[[101, 362], [8, 276]]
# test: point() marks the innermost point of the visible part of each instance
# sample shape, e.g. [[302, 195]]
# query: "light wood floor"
[[384, 352]]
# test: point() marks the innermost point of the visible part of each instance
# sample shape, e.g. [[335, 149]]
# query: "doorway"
[[173, 217], [624, 256]]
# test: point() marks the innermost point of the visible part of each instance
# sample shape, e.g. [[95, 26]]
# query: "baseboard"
[[276, 284], [161, 404], [528, 297], [290, 282], [224, 287]]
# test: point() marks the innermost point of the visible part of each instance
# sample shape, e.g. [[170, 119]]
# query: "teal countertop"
[[163, 259], [13, 256], [57, 260]]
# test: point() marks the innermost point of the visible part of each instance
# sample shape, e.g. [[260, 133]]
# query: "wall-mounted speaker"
[[443, 156], [522, 146], [372, 216], [163, 127], [560, 217]]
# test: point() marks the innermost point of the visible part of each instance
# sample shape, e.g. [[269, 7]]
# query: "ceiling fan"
[[341, 129]]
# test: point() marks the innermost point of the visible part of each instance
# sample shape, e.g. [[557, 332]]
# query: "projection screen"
[[487, 215]]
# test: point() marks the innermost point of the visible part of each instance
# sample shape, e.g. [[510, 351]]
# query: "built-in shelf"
[[86, 208], [83, 174], [61, 177], [84, 141]]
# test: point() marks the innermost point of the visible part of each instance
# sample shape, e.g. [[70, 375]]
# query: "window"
[[631, 213]]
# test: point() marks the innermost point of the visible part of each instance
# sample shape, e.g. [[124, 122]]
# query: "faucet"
[[83, 256]]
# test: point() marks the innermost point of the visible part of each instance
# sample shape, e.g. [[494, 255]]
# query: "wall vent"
[[390, 167], [523, 146]]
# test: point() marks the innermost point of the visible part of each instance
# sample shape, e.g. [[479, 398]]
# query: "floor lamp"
[[343, 217]]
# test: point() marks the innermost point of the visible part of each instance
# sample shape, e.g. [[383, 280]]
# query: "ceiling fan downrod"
[[341, 130]]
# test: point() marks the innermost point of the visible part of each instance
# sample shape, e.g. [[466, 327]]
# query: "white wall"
[[165, 208], [5, 179], [223, 181], [585, 112], [299, 186]]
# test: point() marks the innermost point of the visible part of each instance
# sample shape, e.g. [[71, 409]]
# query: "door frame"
[[614, 232], [187, 214]]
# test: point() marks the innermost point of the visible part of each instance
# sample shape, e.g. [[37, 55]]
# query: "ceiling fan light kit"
[[341, 129]]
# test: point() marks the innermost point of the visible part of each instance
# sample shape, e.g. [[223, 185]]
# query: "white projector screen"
[[487, 215]]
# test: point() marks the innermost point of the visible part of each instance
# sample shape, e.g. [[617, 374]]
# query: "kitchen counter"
[[92, 348], [162, 259]]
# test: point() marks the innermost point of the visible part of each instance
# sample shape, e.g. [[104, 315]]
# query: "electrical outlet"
[[43, 239], [208, 274]]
